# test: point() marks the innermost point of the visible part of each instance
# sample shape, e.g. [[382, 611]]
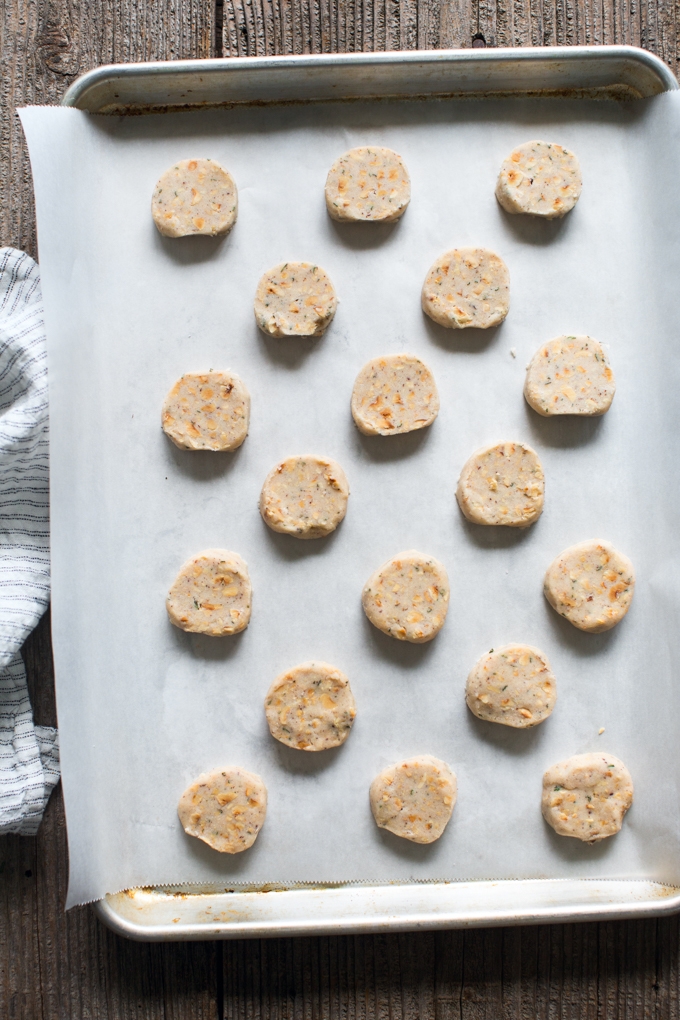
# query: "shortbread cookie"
[[591, 585], [311, 707], [195, 196], [408, 597], [502, 484], [305, 496], [209, 411], [393, 394], [295, 299], [570, 375], [467, 287], [225, 808], [211, 594], [587, 796], [541, 179], [414, 799], [512, 685], [368, 183]]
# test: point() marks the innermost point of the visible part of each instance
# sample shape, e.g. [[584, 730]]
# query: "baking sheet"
[[143, 708]]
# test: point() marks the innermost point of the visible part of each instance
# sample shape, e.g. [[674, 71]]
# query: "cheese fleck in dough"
[[467, 287], [415, 798], [587, 796], [591, 585], [211, 594], [570, 375], [368, 184], [502, 484], [225, 808], [541, 179], [195, 196], [311, 707], [408, 597], [393, 394], [512, 685], [209, 411], [295, 299], [305, 496]]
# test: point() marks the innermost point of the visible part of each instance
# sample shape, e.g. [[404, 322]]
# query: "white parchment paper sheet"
[[143, 707]]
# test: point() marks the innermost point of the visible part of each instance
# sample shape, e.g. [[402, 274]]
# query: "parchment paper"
[[144, 708]]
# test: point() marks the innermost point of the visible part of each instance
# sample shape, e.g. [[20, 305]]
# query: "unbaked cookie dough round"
[[311, 707], [295, 299], [587, 796], [225, 808], [570, 375], [502, 484], [195, 196], [211, 594], [512, 685], [368, 184], [305, 496], [394, 394], [467, 287], [591, 585], [541, 179], [408, 597], [207, 411], [415, 798]]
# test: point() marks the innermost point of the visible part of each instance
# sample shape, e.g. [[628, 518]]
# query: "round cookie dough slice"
[[195, 196], [393, 394], [305, 496], [415, 798], [467, 287], [368, 184], [587, 796], [311, 707], [570, 375], [512, 685], [295, 299], [541, 179], [209, 411], [225, 808], [408, 597], [502, 484], [591, 585], [211, 594]]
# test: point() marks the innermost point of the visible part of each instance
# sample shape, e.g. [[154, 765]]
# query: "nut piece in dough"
[[305, 496], [587, 796], [368, 183], [393, 394], [311, 707], [408, 597], [570, 375], [211, 594], [591, 585], [195, 196], [208, 411], [541, 179], [225, 808], [467, 287], [502, 484], [512, 685], [295, 299], [414, 799]]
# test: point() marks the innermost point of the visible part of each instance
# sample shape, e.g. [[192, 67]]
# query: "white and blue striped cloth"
[[29, 754]]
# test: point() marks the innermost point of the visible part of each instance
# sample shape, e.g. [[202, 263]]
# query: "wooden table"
[[68, 966]]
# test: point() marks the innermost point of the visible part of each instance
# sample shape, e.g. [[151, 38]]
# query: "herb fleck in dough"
[[541, 179], [295, 299], [225, 808], [311, 707], [467, 287], [415, 798], [591, 585], [305, 497], [393, 394], [570, 375], [512, 685], [502, 484], [587, 796], [368, 183], [408, 597], [209, 411], [211, 594], [195, 196]]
